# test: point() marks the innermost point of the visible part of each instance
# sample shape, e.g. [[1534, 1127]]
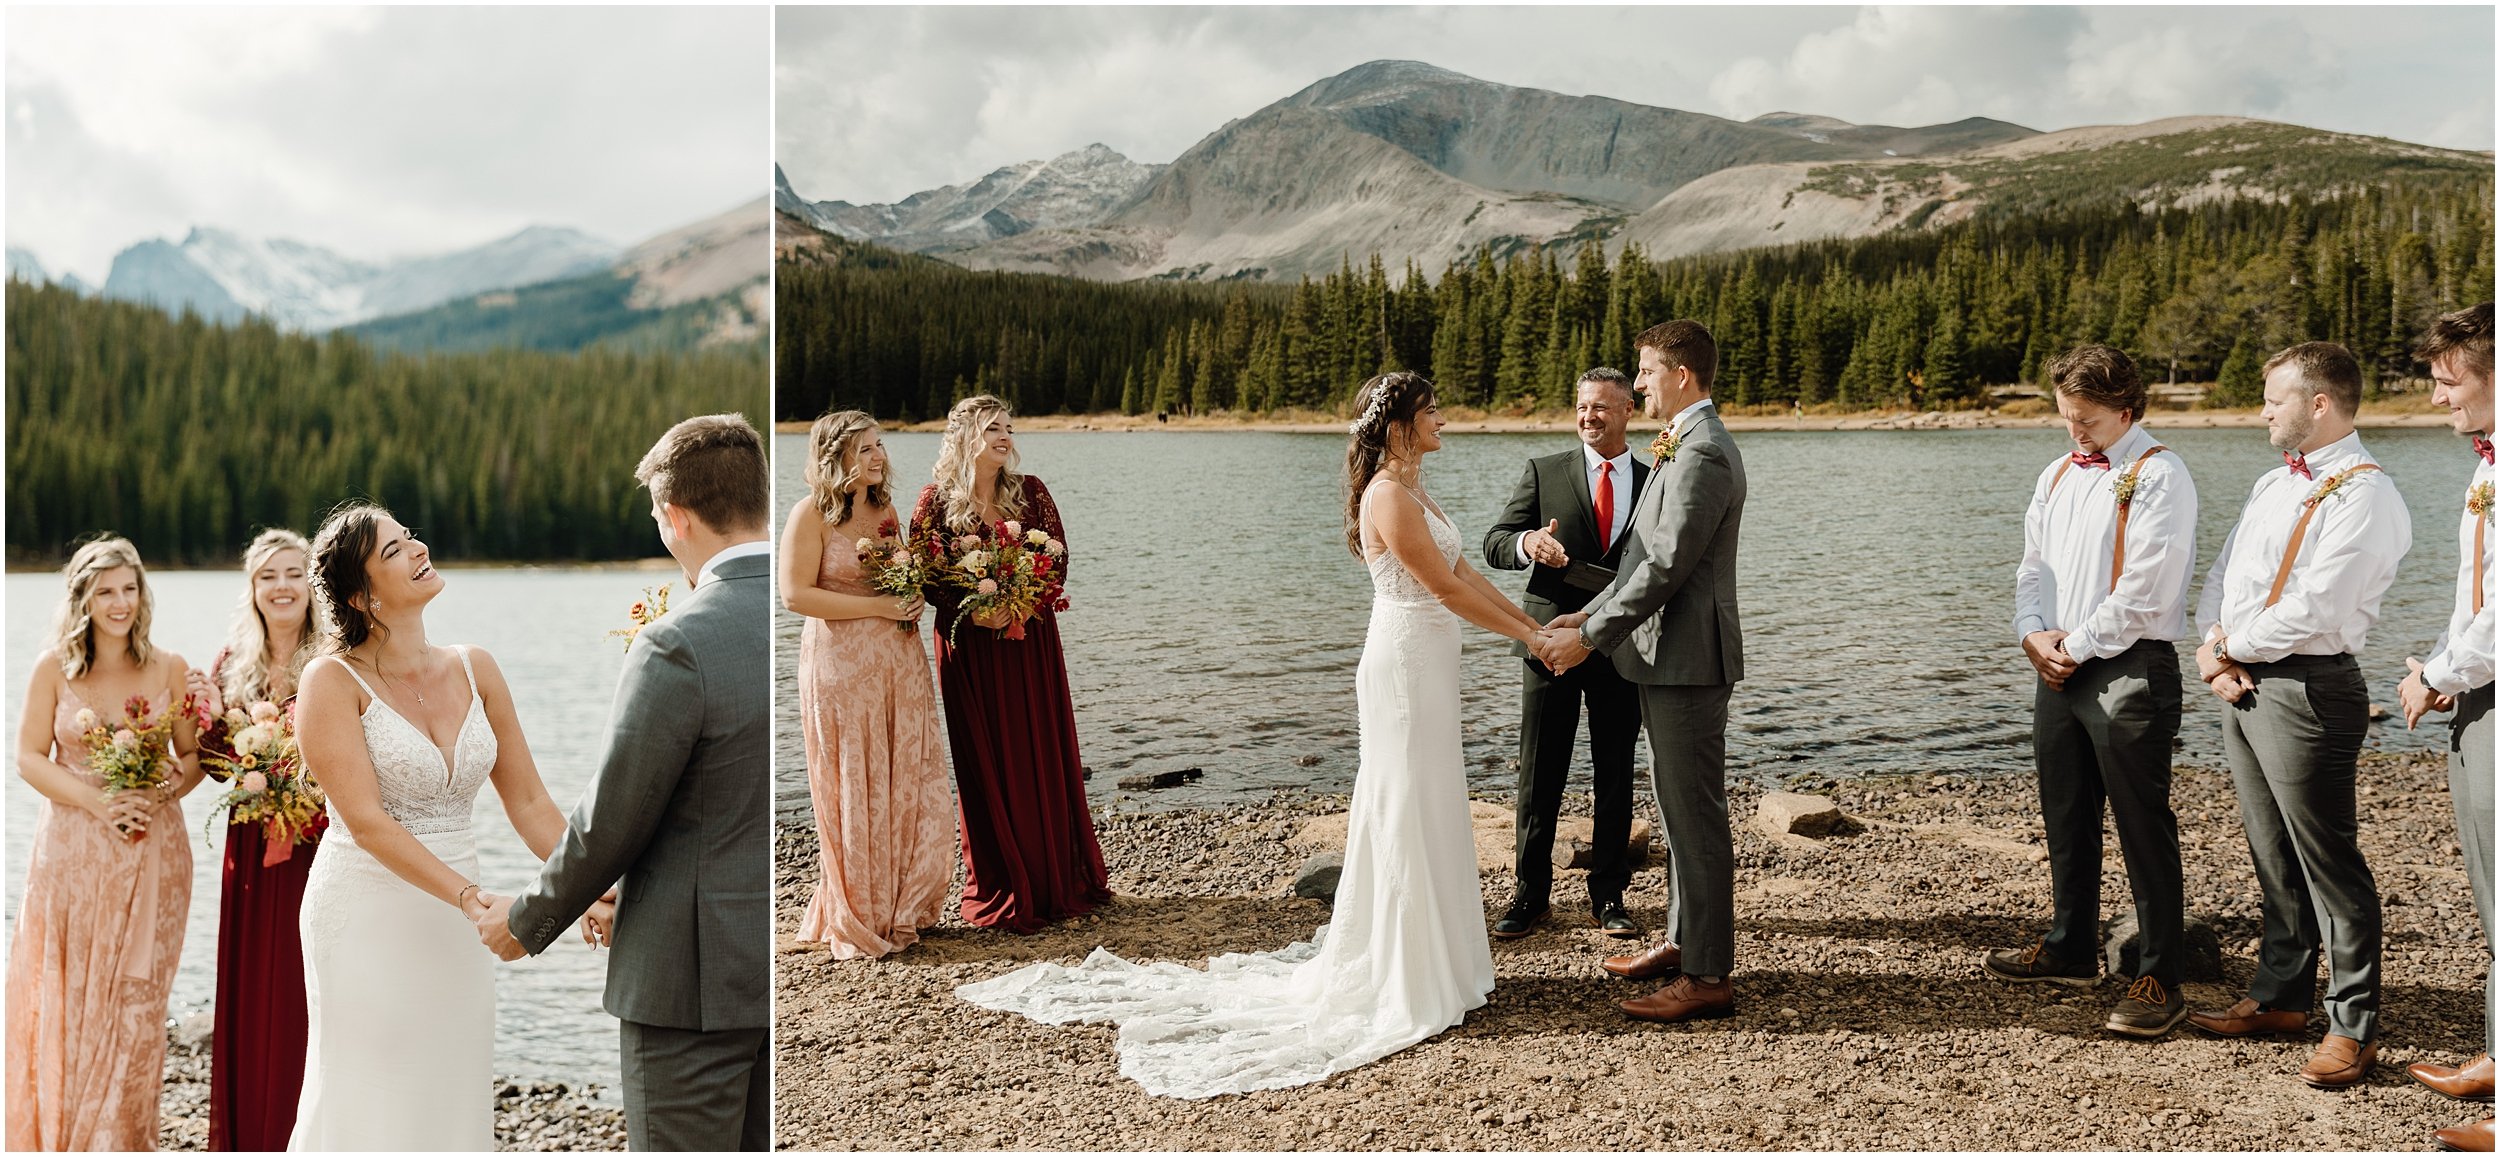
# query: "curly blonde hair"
[[73, 631], [958, 464], [829, 477], [248, 661]]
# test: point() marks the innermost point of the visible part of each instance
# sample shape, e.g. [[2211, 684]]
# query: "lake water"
[[1217, 617], [546, 628]]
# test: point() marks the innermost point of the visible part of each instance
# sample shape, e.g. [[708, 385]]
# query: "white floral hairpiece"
[[1378, 405]]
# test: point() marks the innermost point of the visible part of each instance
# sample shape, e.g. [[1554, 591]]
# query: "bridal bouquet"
[[136, 754], [644, 613], [1016, 572], [892, 565], [257, 754]]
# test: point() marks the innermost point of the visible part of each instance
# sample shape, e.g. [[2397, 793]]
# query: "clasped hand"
[[2048, 656], [2416, 695], [1558, 646], [492, 914], [2229, 680]]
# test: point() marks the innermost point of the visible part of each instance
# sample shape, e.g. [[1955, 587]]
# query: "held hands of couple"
[[492, 914], [1558, 646], [2048, 656], [2418, 698]]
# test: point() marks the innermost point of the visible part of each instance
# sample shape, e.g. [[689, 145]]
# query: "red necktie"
[[2089, 461], [2482, 447], [2298, 462], [1605, 504]]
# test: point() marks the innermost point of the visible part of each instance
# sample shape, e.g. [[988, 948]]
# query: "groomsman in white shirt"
[[2100, 603], [2458, 676], [2284, 613]]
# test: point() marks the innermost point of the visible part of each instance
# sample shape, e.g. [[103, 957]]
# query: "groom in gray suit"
[[1669, 623], [679, 811]]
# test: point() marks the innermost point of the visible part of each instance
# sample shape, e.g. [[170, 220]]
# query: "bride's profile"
[[1404, 954], [401, 733]]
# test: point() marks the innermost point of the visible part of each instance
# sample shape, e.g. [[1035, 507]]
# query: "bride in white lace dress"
[[1404, 954], [401, 734]]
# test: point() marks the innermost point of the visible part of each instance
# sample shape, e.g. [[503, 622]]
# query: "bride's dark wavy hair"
[[1383, 403], [339, 550]]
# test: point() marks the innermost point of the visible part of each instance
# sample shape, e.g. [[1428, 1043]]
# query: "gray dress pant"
[[1688, 734], [2106, 737], [688, 1091], [2469, 789], [2293, 744]]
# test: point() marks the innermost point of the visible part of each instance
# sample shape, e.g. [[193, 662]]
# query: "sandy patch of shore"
[[1863, 1022]]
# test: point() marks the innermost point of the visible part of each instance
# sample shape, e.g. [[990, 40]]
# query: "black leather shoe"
[[1614, 921], [1520, 920]]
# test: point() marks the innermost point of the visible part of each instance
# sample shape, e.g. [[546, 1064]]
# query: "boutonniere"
[[2328, 488], [2478, 500], [1662, 448], [653, 604], [2123, 486]]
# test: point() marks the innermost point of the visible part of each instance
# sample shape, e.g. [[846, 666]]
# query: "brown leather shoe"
[[1664, 960], [2247, 1018], [2474, 1138], [2339, 1061], [2470, 1081], [1685, 998]]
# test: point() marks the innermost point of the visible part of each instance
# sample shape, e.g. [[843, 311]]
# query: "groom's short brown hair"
[[714, 468], [1683, 343]]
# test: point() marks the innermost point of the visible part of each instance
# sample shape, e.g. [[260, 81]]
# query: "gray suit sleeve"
[[658, 717], [1688, 517], [1501, 543]]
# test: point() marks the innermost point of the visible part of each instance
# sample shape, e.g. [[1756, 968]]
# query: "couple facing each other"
[[1405, 953], [401, 733]]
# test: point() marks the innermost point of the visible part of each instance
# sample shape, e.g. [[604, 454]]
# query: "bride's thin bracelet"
[[461, 901]]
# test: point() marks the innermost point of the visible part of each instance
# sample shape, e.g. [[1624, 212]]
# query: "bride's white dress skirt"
[[1404, 955]]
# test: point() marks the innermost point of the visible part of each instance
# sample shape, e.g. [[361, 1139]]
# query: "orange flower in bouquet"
[[135, 755], [1013, 572], [893, 566]]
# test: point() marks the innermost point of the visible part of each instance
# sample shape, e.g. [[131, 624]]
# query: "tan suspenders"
[[2308, 510], [2126, 503]]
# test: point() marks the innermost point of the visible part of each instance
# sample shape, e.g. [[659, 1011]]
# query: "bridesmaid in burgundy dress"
[[256, 1059], [1029, 852]]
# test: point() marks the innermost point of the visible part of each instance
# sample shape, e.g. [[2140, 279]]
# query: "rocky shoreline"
[[530, 1116], [1863, 1021]]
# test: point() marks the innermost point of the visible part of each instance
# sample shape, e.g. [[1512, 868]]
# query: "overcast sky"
[[876, 103], [377, 132]]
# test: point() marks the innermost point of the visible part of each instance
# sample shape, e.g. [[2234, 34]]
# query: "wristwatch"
[[2220, 654]]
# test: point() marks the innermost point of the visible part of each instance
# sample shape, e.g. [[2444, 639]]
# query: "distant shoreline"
[[2372, 418]]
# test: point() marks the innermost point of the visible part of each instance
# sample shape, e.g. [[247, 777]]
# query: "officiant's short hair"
[[713, 467], [1683, 343]]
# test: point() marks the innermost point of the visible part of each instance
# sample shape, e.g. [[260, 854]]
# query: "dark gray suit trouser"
[[674, 1082], [2107, 737], [2293, 744], [2469, 789], [1549, 726], [1688, 734]]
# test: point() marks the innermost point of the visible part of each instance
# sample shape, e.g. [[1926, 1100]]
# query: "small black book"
[[1588, 576]]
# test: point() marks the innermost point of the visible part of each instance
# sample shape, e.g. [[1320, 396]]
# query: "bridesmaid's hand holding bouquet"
[[892, 566], [1007, 578], [137, 756]]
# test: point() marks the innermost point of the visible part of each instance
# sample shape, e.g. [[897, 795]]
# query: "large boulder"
[[1787, 813], [2120, 953], [1317, 878]]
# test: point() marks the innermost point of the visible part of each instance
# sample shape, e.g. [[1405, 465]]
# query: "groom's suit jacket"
[[1556, 489], [680, 809], [1669, 618]]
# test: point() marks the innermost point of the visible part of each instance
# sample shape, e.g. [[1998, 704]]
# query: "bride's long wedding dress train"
[[1404, 955], [400, 997]]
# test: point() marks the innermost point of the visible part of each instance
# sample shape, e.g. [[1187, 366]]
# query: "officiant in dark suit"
[[1565, 526]]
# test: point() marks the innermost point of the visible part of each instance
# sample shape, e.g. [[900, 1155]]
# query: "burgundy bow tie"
[[2298, 462], [2089, 461], [2482, 448]]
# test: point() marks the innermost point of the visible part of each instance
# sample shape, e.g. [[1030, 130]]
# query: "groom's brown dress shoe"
[[2474, 1138], [1663, 960], [2470, 1081], [2339, 1061], [1685, 998], [2248, 1018]]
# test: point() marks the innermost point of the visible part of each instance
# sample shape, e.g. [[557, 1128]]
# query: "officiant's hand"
[[493, 917], [2050, 660], [1543, 548]]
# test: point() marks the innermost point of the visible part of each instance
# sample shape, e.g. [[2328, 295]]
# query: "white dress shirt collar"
[[1589, 460], [2340, 454], [710, 569], [1685, 418]]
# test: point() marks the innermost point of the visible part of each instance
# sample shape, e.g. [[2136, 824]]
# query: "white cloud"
[[377, 131], [876, 103]]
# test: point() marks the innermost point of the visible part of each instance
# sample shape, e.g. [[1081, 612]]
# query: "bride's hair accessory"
[[1372, 412]]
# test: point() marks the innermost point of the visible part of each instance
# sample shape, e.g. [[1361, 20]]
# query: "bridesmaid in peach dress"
[[100, 929], [867, 710]]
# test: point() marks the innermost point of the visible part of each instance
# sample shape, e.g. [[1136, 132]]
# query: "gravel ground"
[[530, 1116], [1863, 1020]]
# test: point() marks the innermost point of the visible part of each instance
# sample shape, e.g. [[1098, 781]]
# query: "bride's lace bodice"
[[417, 789], [1392, 582]]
